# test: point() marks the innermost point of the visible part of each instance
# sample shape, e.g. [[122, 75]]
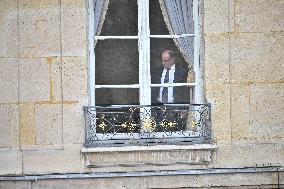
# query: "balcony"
[[128, 125]]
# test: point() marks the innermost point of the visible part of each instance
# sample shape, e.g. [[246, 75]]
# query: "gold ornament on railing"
[[166, 124], [102, 126], [193, 123], [149, 124], [129, 126]]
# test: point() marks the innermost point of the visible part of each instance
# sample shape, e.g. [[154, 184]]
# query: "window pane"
[[181, 13], [165, 54], [117, 96], [172, 95], [157, 23], [121, 18], [117, 62]]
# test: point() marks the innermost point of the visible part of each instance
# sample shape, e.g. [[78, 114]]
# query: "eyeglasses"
[[168, 60]]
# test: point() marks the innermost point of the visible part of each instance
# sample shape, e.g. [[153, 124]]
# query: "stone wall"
[[43, 83], [244, 69]]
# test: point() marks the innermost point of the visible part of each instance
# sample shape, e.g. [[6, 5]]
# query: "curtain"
[[100, 10], [178, 15]]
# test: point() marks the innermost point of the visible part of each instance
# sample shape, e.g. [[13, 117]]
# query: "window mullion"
[[115, 37], [144, 52], [172, 36], [91, 53], [129, 86], [197, 69]]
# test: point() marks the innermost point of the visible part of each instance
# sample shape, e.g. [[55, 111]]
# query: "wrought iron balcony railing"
[[147, 125]]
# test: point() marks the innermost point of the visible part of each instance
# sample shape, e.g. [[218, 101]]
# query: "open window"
[[127, 80]]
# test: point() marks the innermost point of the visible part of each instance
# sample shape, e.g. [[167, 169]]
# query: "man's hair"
[[170, 52]]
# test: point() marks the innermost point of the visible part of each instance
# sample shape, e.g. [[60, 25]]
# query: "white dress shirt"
[[171, 80]]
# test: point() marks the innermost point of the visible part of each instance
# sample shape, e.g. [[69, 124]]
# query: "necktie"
[[165, 89]]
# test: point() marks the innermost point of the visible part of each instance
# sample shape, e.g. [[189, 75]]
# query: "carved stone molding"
[[160, 155]]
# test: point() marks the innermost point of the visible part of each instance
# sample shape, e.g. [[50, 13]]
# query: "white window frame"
[[144, 55]]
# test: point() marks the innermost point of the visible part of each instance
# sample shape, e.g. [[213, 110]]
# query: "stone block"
[[27, 124], [240, 110], [281, 178], [217, 16], [75, 79], [223, 155], [279, 152], [8, 31], [73, 124], [48, 124], [219, 97], [217, 59], [67, 160], [16, 185], [249, 154], [259, 15], [34, 80], [255, 56], [10, 162], [74, 27], [9, 126], [39, 28], [8, 80], [267, 110]]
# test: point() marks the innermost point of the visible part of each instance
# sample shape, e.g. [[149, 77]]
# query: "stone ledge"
[[150, 148], [137, 156]]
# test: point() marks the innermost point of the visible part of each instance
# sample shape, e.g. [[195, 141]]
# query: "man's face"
[[167, 61]]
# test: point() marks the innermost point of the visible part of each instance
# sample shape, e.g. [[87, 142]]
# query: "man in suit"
[[171, 72]]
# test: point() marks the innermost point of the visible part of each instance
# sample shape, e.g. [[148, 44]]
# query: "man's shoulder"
[[181, 67]]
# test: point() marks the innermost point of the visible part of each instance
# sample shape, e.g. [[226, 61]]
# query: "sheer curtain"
[[100, 10], [178, 16]]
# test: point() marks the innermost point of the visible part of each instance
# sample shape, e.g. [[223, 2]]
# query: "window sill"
[[150, 148], [159, 155]]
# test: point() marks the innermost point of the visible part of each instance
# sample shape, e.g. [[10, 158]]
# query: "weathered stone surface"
[[74, 27], [8, 80], [8, 29], [240, 110], [73, 124], [219, 96], [222, 156], [220, 181], [75, 78], [48, 124], [248, 153], [39, 28], [146, 158], [254, 155], [53, 161], [255, 56], [281, 178], [217, 59], [16, 185], [34, 80], [267, 110], [217, 16], [259, 16], [10, 162], [55, 78], [9, 126], [280, 152], [27, 124]]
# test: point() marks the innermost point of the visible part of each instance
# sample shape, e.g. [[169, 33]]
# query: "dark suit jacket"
[[181, 94]]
